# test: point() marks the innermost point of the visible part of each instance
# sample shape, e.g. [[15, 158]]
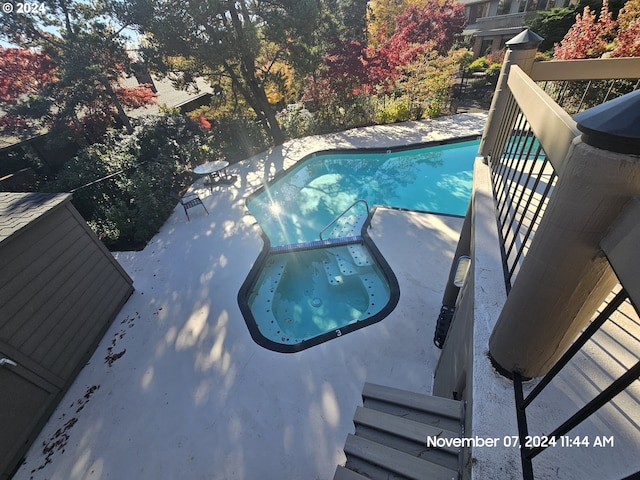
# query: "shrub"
[[124, 183], [296, 121], [393, 110], [492, 73], [236, 133], [478, 64], [543, 56], [497, 56], [343, 114], [427, 82]]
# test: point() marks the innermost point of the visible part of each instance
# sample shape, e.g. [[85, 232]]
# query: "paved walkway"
[[177, 388]]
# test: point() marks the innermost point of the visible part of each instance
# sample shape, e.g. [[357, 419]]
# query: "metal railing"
[[532, 143], [523, 180], [360, 200], [535, 135], [577, 96], [579, 85], [558, 437], [527, 153]]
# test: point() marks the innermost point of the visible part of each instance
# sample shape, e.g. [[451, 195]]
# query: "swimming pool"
[[300, 202], [319, 275]]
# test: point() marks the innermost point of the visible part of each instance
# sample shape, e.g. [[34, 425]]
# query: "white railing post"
[[521, 51], [565, 277]]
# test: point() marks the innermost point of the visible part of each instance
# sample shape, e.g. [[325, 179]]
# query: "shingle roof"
[[167, 95], [17, 210]]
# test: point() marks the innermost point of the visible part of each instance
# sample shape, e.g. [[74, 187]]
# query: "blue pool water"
[[302, 295], [298, 297], [298, 205]]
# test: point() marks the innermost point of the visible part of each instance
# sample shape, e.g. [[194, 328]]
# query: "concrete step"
[[402, 427], [436, 411], [393, 461], [407, 436], [391, 432], [343, 473]]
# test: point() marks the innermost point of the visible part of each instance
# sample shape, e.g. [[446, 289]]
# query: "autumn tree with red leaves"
[[352, 68], [593, 36], [627, 43], [67, 75], [23, 74], [599, 36], [588, 37], [435, 25]]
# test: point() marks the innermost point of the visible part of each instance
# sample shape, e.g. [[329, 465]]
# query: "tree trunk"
[[263, 110], [273, 127], [124, 118], [253, 90]]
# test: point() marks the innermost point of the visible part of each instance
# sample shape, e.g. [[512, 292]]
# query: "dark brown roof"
[[17, 210]]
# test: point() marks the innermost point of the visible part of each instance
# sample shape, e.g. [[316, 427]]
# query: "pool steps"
[[360, 255], [349, 225], [346, 232], [333, 271], [391, 428], [347, 265]]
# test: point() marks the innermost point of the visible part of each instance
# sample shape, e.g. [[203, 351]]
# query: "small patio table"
[[215, 169]]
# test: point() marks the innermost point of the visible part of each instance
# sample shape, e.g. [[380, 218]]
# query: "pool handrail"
[[360, 200]]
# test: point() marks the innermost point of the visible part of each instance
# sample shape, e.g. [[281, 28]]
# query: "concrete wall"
[[465, 353]]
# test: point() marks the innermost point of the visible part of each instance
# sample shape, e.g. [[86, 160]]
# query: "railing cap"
[[613, 125], [524, 40]]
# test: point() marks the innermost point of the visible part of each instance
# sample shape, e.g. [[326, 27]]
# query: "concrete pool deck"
[[178, 389]]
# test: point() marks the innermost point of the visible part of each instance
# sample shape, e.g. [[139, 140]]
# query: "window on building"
[[532, 5], [485, 48], [477, 10], [504, 7]]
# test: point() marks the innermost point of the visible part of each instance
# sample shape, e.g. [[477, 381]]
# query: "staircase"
[[391, 429]]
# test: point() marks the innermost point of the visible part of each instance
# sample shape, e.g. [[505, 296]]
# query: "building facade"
[[491, 23]]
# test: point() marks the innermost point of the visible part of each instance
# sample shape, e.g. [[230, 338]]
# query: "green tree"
[[353, 14], [426, 82], [88, 59], [301, 31], [224, 39], [123, 183]]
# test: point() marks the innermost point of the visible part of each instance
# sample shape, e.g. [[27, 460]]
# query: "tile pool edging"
[[252, 277]]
